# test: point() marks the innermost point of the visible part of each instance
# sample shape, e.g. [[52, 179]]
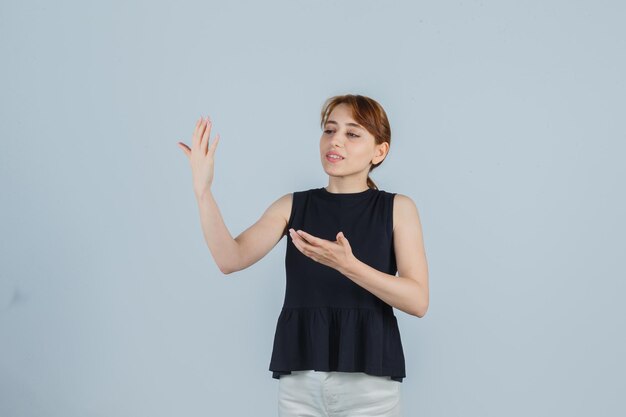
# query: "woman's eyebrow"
[[348, 124]]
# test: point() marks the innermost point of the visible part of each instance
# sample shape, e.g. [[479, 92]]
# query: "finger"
[[214, 144], [199, 133], [297, 243], [205, 137], [196, 131], [344, 242], [304, 247], [298, 240], [185, 149], [297, 233], [310, 238], [296, 236]]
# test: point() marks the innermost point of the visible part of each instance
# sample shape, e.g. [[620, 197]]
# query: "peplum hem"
[[344, 339]]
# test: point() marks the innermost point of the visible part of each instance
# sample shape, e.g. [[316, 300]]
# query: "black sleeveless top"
[[328, 322]]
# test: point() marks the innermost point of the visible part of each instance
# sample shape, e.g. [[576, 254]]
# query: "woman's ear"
[[381, 152]]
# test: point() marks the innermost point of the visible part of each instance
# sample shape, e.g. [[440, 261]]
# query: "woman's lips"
[[333, 160]]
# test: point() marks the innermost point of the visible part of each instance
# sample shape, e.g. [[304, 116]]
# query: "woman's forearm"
[[224, 249], [403, 293]]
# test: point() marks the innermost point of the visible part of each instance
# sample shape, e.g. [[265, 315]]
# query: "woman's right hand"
[[201, 156]]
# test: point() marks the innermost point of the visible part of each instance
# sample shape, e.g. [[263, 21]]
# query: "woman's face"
[[348, 139]]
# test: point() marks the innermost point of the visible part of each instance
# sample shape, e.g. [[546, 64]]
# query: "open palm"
[[201, 156]]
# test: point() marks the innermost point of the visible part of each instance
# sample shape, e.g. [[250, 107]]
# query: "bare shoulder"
[[257, 240], [281, 208], [404, 211]]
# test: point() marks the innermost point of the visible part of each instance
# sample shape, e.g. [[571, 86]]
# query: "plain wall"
[[508, 132]]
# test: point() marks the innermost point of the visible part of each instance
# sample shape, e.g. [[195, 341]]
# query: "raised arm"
[[255, 242], [232, 255]]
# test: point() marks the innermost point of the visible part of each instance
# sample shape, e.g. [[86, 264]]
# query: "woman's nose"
[[336, 141]]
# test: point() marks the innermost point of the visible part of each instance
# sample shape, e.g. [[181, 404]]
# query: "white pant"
[[338, 394]]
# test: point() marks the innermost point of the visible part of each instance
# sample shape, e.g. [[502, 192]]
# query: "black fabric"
[[328, 322]]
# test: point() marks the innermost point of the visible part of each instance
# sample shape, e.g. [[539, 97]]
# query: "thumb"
[[185, 149], [344, 242]]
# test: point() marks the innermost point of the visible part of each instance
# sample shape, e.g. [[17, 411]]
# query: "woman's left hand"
[[337, 255]]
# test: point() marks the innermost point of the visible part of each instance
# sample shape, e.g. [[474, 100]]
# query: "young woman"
[[337, 347]]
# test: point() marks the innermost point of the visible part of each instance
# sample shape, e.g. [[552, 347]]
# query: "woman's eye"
[[328, 131]]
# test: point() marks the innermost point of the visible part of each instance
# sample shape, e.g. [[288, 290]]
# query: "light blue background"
[[508, 132]]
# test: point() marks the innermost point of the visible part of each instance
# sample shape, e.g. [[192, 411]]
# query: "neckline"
[[345, 196]]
